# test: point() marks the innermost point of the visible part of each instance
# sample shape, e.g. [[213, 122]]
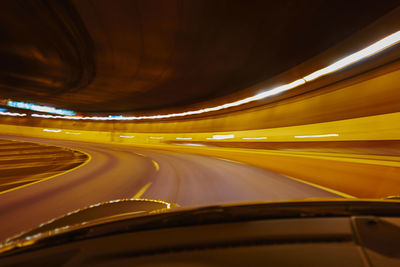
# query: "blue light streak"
[[46, 109]]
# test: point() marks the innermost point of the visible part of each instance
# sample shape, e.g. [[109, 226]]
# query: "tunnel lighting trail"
[[190, 144], [183, 138], [317, 135], [221, 137], [126, 136], [371, 50], [30, 106], [73, 133], [3, 109], [254, 138], [45, 116], [353, 58], [14, 114], [156, 137], [114, 117], [52, 131]]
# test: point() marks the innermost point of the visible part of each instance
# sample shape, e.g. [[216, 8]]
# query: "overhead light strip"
[[316, 135], [34, 107], [371, 50], [14, 114]]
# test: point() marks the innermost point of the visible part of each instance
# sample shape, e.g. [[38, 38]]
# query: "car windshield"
[[192, 104]]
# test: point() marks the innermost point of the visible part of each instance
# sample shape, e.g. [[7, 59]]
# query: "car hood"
[[99, 213], [127, 215]]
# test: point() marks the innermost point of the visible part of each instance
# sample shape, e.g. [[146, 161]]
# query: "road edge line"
[[321, 187], [52, 176]]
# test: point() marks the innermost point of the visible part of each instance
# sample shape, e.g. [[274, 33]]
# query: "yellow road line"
[[321, 187], [140, 154], [50, 177], [142, 190], [156, 164]]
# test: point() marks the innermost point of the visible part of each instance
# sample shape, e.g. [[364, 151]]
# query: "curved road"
[[121, 171]]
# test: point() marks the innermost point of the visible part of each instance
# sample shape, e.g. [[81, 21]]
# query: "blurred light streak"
[[190, 144], [222, 136], [126, 136], [14, 114], [30, 106], [73, 133], [113, 116], [279, 89], [254, 138], [317, 135], [3, 109], [353, 58], [371, 50], [156, 137], [53, 131]]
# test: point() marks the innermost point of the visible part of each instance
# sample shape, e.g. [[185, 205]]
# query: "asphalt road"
[[118, 171]]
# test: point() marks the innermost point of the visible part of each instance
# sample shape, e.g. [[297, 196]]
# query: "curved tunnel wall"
[[361, 108], [372, 93], [360, 103]]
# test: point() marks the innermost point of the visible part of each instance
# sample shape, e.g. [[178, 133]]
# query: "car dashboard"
[[321, 241]]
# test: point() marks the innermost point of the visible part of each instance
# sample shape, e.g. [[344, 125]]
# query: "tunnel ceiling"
[[116, 56]]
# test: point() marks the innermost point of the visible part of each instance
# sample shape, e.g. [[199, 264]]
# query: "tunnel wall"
[[357, 103], [361, 107], [379, 127], [360, 176], [372, 93]]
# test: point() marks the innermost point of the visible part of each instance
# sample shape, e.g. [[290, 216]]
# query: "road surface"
[[120, 171]]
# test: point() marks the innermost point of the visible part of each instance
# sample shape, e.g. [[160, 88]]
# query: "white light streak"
[[221, 136], [14, 114], [184, 138], [190, 144], [278, 89], [156, 137], [73, 133], [126, 136], [254, 138], [52, 131], [55, 116], [371, 50], [355, 57], [317, 135]]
